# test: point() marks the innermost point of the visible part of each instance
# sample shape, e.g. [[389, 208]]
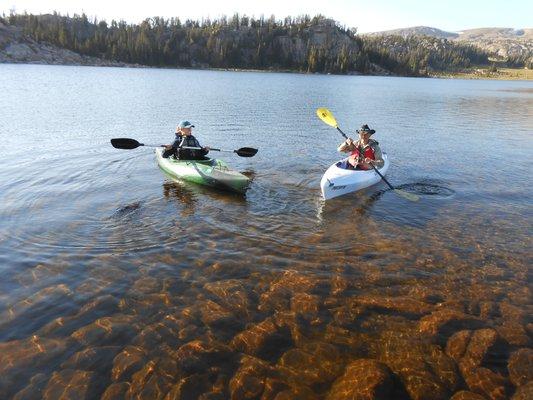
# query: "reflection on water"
[[119, 283]]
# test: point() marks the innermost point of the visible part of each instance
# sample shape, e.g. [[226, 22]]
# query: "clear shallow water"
[[95, 236]]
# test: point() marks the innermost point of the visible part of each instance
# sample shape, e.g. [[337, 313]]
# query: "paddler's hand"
[[167, 146], [369, 161], [207, 148], [349, 142]]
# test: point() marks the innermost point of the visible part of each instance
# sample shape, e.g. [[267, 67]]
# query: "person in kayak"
[[184, 139], [362, 152]]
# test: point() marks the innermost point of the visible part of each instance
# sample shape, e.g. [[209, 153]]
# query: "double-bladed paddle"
[[326, 116], [129, 144]]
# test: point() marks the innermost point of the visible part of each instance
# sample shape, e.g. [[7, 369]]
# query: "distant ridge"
[[417, 31], [503, 43]]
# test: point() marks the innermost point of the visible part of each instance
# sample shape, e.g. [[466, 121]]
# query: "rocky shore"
[[17, 48]]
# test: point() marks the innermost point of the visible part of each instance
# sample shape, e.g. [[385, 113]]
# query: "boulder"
[[317, 363], [107, 331], [127, 362], [71, 384], [520, 367], [232, 294], [92, 359], [190, 387], [443, 322], [466, 395], [94, 309], [424, 369], [524, 392], [363, 379], [116, 390], [20, 359], [154, 380], [260, 339], [197, 355], [216, 316], [401, 305], [34, 391], [305, 305], [488, 383], [249, 380], [27, 316], [514, 334], [457, 344]]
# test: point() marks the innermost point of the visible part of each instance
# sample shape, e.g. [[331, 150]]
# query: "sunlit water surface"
[[102, 257]]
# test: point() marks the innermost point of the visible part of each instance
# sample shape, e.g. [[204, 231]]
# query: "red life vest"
[[367, 153]]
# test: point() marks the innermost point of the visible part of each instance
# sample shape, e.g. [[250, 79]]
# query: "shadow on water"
[[429, 189], [384, 204], [188, 193]]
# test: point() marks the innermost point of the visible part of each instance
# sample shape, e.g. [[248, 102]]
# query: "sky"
[[365, 15]]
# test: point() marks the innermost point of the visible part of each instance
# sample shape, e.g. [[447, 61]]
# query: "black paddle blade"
[[246, 152], [125, 143]]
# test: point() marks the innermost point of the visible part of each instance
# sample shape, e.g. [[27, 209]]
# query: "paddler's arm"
[[378, 161], [346, 146]]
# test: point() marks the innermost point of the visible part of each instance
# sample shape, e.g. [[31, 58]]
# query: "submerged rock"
[[424, 369], [216, 316], [466, 395], [232, 294], [317, 363], [278, 296], [97, 308], [524, 392], [363, 379], [514, 334], [22, 358], [305, 305], [92, 359], [27, 316], [34, 391], [197, 356], [473, 351], [249, 380], [521, 367], [488, 383], [71, 384], [262, 339], [107, 331], [116, 391], [127, 362], [445, 321], [401, 305], [154, 380], [190, 387]]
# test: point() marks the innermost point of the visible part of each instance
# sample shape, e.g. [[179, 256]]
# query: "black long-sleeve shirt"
[[190, 154]]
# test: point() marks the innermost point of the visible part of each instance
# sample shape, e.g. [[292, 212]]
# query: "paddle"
[[325, 115], [129, 144]]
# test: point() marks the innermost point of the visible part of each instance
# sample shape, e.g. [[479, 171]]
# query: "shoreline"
[[503, 74]]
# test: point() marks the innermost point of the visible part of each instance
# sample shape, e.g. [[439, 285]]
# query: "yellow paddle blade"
[[406, 195], [325, 115]]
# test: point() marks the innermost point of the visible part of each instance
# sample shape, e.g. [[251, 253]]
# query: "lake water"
[[117, 282]]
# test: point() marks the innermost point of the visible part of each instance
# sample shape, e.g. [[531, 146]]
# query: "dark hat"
[[366, 129], [185, 124]]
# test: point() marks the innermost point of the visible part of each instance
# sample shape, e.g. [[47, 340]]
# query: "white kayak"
[[339, 181]]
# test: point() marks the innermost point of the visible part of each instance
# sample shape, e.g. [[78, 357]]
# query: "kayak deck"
[[339, 181], [210, 172]]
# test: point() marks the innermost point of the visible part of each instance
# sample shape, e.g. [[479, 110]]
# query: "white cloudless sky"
[[366, 15]]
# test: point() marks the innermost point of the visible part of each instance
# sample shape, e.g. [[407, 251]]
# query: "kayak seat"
[[344, 164]]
